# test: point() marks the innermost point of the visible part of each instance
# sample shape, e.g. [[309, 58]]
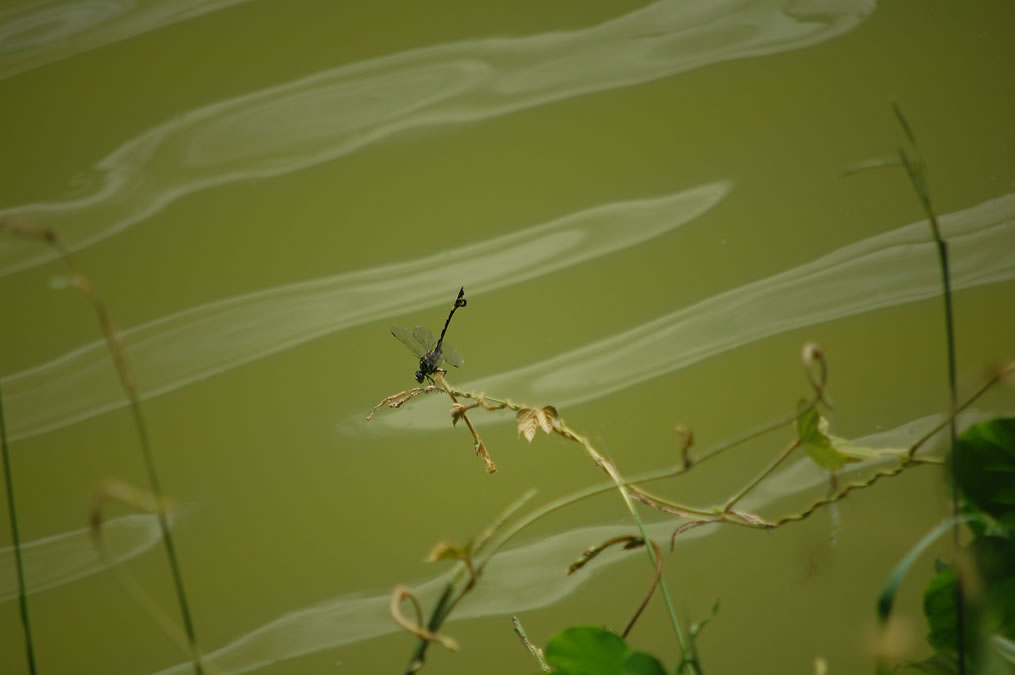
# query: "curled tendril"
[[418, 629]]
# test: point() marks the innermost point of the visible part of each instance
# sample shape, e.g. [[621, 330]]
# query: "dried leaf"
[[527, 423], [531, 419], [457, 412], [481, 451], [447, 550], [544, 420]]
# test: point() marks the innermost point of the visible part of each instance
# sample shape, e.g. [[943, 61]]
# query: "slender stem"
[[960, 614], [916, 177], [130, 390], [743, 438], [656, 577], [126, 376], [18, 564], [167, 537], [624, 490], [761, 476], [536, 652]]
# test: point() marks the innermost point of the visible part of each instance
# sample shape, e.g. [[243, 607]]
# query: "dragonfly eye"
[[419, 376]]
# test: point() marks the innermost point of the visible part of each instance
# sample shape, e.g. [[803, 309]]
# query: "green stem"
[[761, 476], [916, 177], [167, 537], [18, 564]]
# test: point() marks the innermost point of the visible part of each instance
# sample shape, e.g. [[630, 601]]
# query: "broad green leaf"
[[985, 468], [991, 611], [995, 557], [814, 440], [641, 663], [587, 650], [939, 608]]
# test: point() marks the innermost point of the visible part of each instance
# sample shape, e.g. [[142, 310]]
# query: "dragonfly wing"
[[425, 338], [409, 340], [451, 356]]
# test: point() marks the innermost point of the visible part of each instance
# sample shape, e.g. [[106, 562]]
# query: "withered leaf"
[[531, 419], [447, 550], [527, 423]]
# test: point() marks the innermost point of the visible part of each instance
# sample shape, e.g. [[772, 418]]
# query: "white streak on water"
[[209, 339], [887, 270], [35, 33], [330, 114], [62, 558]]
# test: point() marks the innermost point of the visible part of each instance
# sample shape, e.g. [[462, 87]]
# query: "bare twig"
[[629, 543], [536, 652]]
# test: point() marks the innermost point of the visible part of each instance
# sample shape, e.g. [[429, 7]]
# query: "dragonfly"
[[432, 353]]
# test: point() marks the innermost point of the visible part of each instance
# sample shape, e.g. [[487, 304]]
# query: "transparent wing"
[[409, 340], [425, 338], [451, 356]]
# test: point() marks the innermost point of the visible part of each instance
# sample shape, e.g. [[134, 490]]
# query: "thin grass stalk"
[[16, 539], [126, 376], [127, 381], [916, 177], [174, 563]]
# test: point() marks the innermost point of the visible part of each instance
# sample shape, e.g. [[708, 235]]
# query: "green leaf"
[[989, 611], [814, 439], [941, 663], [984, 468], [939, 608], [995, 557], [587, 650]]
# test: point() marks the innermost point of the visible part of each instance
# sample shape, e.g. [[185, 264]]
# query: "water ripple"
[[886, 270], [68, 556], [210, 339], [33, 34], [338, 111]]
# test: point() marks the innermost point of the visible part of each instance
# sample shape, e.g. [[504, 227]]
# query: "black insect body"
[[432, 353]]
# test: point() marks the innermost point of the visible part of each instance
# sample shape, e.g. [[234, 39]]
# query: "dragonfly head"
[[419, 376]]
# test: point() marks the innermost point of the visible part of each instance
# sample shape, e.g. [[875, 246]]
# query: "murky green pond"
[[646, 206]]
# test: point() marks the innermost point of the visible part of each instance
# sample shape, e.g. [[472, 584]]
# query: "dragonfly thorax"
[[429, 364]]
